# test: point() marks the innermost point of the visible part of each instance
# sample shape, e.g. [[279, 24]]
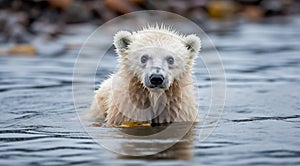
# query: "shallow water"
[[260, 123]]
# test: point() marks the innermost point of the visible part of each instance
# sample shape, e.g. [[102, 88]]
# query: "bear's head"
[[157, 56]]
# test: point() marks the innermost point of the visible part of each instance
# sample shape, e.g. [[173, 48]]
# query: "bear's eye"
[[144, 58], [170, 60]]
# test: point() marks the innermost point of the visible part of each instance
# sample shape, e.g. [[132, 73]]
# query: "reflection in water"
[[173, 141], [182, 150]]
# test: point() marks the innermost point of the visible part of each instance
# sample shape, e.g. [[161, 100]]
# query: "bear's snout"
[[156, 79]]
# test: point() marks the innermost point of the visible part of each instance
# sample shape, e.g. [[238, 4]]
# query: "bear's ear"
[[122, 39], [193, 43]]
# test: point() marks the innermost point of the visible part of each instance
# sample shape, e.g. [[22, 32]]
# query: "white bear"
[[154, 79]]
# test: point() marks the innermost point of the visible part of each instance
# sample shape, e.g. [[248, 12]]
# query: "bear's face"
[[156, 67], [157, 57]]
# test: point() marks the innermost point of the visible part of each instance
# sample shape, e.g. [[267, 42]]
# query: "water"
[[260, 123]]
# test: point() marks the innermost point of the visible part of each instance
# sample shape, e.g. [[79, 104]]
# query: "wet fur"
[[123, 97], [179, 105]]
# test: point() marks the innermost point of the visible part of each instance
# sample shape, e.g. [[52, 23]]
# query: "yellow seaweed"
[[135, 124]]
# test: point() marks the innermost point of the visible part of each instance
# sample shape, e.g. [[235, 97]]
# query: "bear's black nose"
[[156, 79]]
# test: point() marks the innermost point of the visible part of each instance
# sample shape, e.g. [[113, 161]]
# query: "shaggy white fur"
[[125, 98]]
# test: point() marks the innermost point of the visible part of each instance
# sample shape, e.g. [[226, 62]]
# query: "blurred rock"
[[272, 7], [253, 13], [26, 22], [221, 9], [22, 49], [77, 12], [123, 6], [60, 4]]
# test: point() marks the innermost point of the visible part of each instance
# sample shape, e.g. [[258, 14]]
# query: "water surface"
[[260, 123]]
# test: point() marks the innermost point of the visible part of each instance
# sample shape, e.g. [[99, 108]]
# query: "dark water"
[[260, 123]]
